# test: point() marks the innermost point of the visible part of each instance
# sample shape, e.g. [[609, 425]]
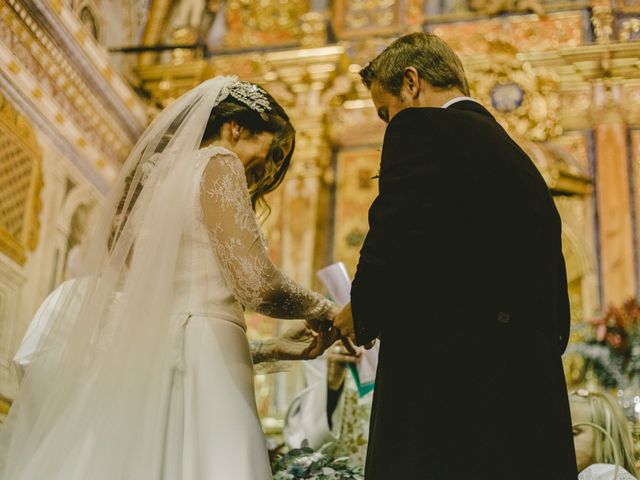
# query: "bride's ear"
[[236, 130], [231, 131]]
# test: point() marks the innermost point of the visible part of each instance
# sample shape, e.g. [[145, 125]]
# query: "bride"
[[145, 372]]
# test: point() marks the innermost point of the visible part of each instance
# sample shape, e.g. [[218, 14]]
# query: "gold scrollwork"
[[20, 184], [527, 101], [629, 29], [359, 17], [494, 7], [253, 23], [603, 21], [314, 29]]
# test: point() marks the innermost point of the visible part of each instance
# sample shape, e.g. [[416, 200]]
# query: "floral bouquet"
[[307, 463], [611, 349]]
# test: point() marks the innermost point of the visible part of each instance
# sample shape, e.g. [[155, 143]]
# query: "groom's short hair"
[[434, 60]]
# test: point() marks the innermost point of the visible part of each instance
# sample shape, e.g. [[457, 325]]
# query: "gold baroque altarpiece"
[[20, 184]]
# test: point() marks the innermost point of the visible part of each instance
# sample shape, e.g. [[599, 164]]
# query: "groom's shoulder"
[[410, 123], [426, 121], [412, 116]]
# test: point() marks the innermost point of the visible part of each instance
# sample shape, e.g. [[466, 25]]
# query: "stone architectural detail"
[[20, 184], [61, 87], [68, 122]]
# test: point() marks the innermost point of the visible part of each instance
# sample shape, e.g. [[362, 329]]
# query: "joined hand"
[[328, 326], [300, 342], [343, 322]]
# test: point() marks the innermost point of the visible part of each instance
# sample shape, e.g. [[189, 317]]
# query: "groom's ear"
[[411, 82]]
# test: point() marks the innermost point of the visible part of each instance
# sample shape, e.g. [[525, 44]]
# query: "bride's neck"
[[219, 142]]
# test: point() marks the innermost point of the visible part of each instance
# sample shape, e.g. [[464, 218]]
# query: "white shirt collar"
[[599, 471], [459, 99]]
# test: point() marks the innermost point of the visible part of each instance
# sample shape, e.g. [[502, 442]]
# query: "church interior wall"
[[57, 115], [27, 285]]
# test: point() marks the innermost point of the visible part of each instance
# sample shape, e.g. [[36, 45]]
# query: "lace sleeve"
[[241, 248]]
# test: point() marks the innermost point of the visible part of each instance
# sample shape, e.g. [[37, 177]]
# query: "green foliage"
[[611, 350], [309, 464]]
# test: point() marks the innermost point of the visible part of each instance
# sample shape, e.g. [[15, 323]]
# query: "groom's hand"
[[299, 342], [343, 322], [324, 323]]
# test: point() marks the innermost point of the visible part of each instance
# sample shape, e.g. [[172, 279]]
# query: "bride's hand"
[[325, 322], [299, 342]]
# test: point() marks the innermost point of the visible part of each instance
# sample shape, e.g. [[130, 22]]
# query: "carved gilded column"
[[603, 22], [613, 195], [158, 12], [635, 146], [303, 79], [300, 81], [301, 197]]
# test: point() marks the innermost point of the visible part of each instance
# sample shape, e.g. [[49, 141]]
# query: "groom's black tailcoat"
[[462, 278]]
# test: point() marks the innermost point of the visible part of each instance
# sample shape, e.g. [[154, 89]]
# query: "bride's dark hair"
[[275, 121]]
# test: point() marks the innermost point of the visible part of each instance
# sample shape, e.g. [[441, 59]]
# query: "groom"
[[462, 278]]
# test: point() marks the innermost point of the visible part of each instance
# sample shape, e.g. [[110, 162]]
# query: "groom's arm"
[[369, 294], [409, 163]]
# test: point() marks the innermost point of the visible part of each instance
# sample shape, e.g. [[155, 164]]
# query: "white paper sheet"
[[336, 279]]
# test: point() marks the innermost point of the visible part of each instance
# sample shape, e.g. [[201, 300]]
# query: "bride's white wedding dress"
[[144, 370], [213, 427]]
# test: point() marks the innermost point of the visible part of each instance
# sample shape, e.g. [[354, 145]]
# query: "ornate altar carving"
[[355, 191], [353, 18], [493, 7], [158, 12], [629, 29], [313, 29], [578, 248], [72, 87], [415, 15], [527, 102], [526, 32], [266, 22], [184, 22], [635, 155], [20, 184], [603, 22]]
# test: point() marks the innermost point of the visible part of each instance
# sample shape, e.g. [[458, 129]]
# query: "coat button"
[[504, 317]]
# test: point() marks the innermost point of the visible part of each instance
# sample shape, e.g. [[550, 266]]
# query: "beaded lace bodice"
[[224, 260]]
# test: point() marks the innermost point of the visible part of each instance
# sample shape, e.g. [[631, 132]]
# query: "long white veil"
[[97, 390]]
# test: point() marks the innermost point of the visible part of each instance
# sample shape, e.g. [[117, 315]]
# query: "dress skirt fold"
[[213, 428]]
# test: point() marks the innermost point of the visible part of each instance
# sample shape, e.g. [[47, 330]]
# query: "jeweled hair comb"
[[251, 95]]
